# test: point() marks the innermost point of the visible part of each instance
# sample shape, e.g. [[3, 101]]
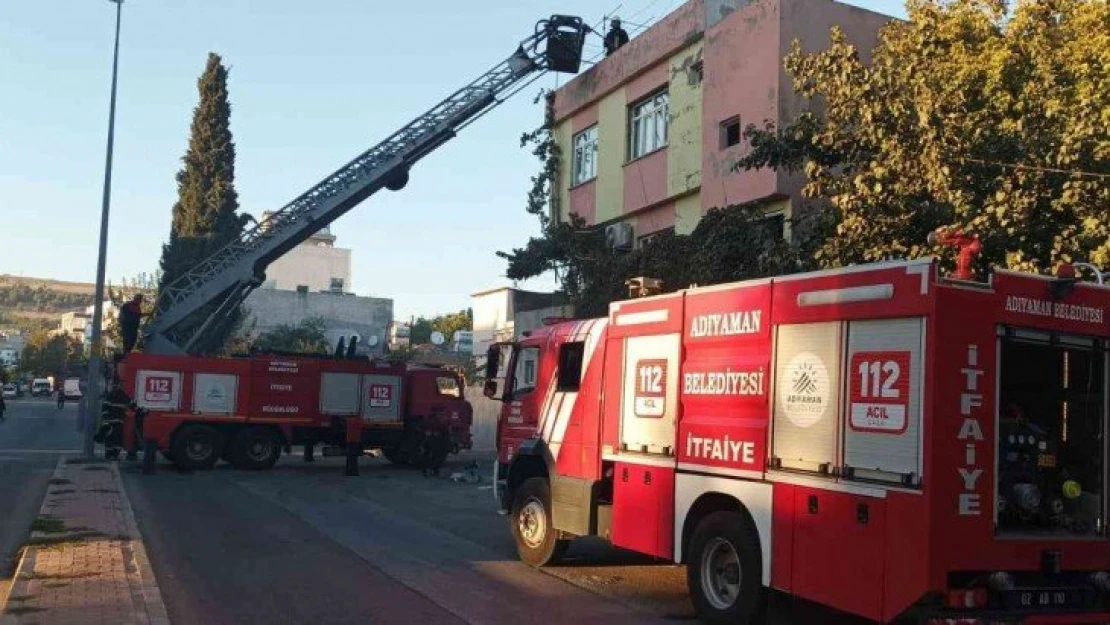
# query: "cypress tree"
[[205, 215]]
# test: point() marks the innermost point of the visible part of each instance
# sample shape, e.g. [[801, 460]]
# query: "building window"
[[585, 155], [336, 285], [772, 227], [730, 132], [648, 239], [648, 125]]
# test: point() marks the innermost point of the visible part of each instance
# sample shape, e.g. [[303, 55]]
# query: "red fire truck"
[[875, 439], [246, 410]]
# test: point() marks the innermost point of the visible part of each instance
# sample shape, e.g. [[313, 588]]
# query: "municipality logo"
[[806, 396]]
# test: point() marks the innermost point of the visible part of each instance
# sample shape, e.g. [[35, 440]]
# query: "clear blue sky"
[[313, 83]]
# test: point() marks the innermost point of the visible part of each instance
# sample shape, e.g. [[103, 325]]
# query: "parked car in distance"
[[11, 391]]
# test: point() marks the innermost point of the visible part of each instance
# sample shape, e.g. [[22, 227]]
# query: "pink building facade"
[[648, 136]]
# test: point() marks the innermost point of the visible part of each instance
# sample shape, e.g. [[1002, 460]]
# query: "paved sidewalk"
[[85, 562]]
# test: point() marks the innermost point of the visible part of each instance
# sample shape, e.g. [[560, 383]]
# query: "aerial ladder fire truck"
[[197, 410], [880, 440]]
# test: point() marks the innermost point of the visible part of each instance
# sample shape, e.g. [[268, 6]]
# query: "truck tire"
[[196, 447], [254, 449], [537, 541], [724, 570]]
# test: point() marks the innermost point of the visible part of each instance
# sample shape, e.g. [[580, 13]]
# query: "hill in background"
[[32, 303]]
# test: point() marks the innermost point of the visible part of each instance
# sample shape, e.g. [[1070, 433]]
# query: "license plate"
[[1044, 598]]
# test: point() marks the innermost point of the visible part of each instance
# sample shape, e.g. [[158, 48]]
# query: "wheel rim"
[[532, 523], [199, 448], [720, 573], [260, 449]]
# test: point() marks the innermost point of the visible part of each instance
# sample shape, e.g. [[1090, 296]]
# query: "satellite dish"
[[437, 338], [372, 340]]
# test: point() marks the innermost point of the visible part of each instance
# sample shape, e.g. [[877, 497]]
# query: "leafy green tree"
[[306, 337], [46, 354], [971, 115], [421, 329], [205, 215]]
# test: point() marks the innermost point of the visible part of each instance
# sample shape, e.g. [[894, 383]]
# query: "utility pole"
[[96, 361]]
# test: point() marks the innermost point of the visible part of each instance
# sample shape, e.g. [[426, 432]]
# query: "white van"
[[72, 388]]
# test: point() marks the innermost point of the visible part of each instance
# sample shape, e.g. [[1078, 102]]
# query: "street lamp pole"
[[96, 362]]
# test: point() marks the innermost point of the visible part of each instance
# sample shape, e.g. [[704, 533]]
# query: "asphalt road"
[[303, 544], [32, 438]]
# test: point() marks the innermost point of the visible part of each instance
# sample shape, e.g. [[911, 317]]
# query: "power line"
[[1052, 170]]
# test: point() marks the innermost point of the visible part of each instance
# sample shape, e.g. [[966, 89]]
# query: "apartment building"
[[648, 136]]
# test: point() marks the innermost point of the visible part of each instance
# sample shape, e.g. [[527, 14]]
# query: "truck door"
[[522, 401]]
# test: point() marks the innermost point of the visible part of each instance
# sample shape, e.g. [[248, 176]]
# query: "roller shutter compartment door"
[[808, 360]]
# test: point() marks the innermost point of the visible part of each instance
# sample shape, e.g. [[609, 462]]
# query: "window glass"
[[524, 373], [730, 132], [570, 366], [448, 386], [585, 156], [648, 125]]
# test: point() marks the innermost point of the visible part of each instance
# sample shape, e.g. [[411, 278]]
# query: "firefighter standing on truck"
[[130, 315]]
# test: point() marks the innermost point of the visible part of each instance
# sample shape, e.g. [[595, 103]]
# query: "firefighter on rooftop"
[[616, 37]]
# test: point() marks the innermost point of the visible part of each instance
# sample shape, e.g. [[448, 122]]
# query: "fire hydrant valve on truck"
[[877, 439]]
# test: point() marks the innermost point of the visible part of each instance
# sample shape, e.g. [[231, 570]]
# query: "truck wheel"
[[537, 542], [724, 570], [196, 447], [255, 449]]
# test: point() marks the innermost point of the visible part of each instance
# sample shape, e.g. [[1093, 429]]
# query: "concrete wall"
[[310, 265], [742, 63], [344, 315], [484, 428]]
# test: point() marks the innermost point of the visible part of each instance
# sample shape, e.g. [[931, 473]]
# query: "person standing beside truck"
[[3, 407]]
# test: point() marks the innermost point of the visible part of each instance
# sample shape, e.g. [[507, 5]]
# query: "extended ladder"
[[229, 275]]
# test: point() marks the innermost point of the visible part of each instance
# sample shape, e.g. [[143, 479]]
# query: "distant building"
[[399, 333], [345, 315], [505, 313], [74, 325], [9, 356], [11, 347], [315, 264], [314, 280], [77, 325]]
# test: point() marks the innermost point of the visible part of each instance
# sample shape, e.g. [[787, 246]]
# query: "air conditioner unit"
[[619, 236]]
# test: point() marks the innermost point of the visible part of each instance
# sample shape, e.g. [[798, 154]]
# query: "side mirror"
[[490, 389]]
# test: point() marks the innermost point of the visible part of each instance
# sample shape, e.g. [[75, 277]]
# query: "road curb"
[[148, 583]]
